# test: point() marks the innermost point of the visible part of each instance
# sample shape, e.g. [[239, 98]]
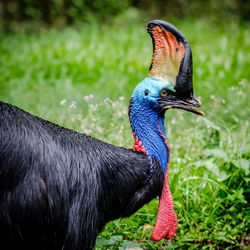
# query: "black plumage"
[[58, 187]]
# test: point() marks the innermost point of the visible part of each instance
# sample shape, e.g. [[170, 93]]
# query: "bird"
[[58, 187]]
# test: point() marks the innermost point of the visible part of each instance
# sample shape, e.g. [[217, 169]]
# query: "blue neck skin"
[[145, 123]]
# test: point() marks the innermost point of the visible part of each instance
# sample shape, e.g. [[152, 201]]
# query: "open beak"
[[189, 104]]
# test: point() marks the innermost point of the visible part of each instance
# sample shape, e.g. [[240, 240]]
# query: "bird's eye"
[[164, 92], [146, 92]]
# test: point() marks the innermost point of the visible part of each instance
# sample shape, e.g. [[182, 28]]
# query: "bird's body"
[[61, 187], [58, 188]]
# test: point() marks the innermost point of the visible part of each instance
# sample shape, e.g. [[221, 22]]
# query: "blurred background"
[[66, 12], [76, 63]]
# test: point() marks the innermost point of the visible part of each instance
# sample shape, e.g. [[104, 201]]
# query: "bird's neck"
[[149, 132]]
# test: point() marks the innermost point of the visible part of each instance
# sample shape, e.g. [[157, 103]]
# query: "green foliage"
[[211, 9], [59, 13], [83, 78]]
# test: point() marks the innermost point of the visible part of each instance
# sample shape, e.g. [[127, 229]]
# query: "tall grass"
[[82, 79]]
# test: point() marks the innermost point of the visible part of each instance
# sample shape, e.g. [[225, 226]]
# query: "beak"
[[190, 104]]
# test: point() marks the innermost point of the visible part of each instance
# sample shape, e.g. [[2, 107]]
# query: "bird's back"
[[58, 187]]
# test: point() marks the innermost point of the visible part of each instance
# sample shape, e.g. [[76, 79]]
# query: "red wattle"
[[166, 222], [138, 145]]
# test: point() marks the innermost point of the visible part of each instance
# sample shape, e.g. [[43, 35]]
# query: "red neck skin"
[[166, 222], [138, 144]]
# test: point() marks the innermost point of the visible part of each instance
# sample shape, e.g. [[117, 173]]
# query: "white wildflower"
[[173, 121], [73, 105], [63, 102]]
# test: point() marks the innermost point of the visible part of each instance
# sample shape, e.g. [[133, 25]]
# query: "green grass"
[[97, 67]]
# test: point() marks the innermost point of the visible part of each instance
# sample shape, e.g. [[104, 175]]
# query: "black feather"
[[58, 188]]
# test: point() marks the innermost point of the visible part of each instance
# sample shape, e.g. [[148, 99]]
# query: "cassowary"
[[58, 188]]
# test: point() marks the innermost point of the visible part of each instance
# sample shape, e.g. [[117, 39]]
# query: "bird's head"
[[170, 81], [159, 95]]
